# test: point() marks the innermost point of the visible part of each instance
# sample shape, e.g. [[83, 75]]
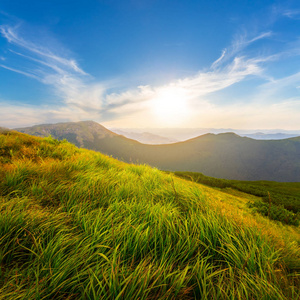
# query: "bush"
[[275, 212]]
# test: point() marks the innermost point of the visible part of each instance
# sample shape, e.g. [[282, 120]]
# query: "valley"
[[224, 155]]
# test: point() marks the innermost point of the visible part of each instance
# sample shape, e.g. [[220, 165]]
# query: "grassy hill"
[[76, 224], [224, 155], [3, 129]]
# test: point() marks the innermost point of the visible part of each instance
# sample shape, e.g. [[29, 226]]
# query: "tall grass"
[[76, 224], [282, 194]]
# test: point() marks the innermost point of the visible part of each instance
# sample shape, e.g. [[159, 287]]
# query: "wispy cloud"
[[292, 14], [82, 98], [217, 62], [273, 92], [12, 37], [240, 42], [70, 81], [19, 71]]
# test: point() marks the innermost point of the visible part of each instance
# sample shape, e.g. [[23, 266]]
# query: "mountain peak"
[[229, 134], [218, 136], [75, 132]]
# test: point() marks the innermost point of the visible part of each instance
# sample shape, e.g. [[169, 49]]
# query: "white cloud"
[[82, 98], [12, 37], [271, 92], [19, 71], [70, 84], [216, 63], [239, 43], [292, 14]]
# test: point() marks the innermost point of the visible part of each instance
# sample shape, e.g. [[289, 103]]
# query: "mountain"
[[76, 224], [183, 134], [77, 133], [174, 134], [270, 136], [225, 155], [145, 137]]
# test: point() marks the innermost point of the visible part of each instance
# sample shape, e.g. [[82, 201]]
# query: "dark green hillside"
[[224, 155], [280, 200], [281, 193], [76, 224]]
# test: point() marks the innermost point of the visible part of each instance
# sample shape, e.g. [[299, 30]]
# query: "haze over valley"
[[171, 135]]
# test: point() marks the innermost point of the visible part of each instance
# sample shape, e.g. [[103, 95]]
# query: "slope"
[[3, 129], [279, 200], [76, 224], [224, 155]]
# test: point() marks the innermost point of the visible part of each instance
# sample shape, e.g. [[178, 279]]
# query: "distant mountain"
[[183, 134], [173, 134], [225, 155], [270, 136], [145, 137], [78, 133]]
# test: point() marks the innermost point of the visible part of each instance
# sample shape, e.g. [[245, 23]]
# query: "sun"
[[170, 105]]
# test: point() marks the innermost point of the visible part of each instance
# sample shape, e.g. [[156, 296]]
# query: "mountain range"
[[270, 136], [224, 155], [183, 134], [145, 137]]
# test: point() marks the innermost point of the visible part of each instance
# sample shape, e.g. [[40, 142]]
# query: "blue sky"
[[151, 63]]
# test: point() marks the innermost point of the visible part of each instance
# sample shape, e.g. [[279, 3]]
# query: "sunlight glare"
[[170, 105]]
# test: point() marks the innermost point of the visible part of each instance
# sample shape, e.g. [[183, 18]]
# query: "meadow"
[[76, 224]]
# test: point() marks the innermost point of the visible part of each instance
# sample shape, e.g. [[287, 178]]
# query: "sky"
[[151, 63]]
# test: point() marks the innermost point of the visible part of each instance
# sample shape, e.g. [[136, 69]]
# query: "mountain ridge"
[[145, 137], [225, 155], [183, 134]]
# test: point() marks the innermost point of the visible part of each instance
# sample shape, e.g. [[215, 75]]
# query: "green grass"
[[280, 200], [76, 224], [282, 193]]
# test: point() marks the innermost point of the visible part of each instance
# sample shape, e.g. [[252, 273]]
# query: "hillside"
[[225, 155], [3, 129], [76, 224], [279, 200]]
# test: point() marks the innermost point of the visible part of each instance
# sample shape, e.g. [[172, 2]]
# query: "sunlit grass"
[[76, 224]]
